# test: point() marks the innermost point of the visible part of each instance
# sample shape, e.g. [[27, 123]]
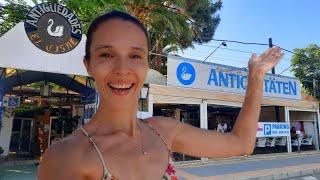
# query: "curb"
[[14, 163], [285, 175], [265, 174], [207, 162]]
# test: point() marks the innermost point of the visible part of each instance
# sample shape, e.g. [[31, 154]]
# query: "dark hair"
[[108, 16]]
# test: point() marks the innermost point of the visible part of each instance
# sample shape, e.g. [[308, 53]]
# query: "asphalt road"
[[222, 169]]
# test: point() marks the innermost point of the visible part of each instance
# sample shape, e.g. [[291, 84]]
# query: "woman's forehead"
[[119, 33]]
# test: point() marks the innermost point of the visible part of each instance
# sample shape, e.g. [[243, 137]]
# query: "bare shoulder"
[[166, 126], [163, 122], [61, 160]]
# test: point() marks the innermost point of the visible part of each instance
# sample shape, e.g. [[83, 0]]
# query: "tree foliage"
[[306, 67], [11, 14], [172, 24]]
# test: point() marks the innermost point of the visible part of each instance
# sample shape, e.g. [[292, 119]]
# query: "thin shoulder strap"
[[106, 172], [157, 133]]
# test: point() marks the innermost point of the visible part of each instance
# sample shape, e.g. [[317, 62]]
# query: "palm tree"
[[172, 24]]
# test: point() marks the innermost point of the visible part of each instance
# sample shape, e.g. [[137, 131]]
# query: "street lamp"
[[144, 92], [223, 44]]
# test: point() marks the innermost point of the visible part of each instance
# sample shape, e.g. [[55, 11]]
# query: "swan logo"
[[53, 28], [58, 32], [186, 73]]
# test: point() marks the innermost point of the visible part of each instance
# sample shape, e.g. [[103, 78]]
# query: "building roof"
[[155, 77]]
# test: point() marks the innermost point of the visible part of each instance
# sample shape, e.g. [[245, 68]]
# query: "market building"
[[205, 94], [45, 93]]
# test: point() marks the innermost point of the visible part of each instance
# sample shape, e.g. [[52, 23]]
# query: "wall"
[[5, 133]]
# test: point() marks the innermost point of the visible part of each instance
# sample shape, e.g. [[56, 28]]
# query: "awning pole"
[[204, 118], [49, 138], [318, 132], [287, 118]]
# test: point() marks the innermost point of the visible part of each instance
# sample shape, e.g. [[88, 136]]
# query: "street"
[[276, 167], [304, 166]]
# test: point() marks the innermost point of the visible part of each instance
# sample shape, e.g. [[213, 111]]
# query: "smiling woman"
[[117, 145]]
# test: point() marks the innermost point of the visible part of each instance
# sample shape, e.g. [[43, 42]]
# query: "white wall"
[[6, 130], [309, 129]]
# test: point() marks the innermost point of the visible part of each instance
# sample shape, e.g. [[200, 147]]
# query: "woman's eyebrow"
[[139, 49], [102, 46]]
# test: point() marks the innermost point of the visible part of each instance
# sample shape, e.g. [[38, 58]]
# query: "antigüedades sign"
[[53, 28], [190, 73]]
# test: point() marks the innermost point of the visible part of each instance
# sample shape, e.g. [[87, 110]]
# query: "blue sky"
[[291, 24]]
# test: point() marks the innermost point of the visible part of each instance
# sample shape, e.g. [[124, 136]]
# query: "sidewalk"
[[264, 167], [18, 162], [274, 166]]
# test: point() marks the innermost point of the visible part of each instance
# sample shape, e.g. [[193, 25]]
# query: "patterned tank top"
[[170, 171]]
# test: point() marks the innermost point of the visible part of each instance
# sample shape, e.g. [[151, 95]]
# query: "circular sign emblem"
[[53, 28], [186, 73]]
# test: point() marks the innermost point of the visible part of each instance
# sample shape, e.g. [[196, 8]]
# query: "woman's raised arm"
[[241, 141]]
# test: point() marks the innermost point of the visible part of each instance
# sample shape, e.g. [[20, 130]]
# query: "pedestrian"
[[222, 126], [114, 144]]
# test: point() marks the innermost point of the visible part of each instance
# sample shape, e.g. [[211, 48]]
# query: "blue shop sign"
[[199, 75]]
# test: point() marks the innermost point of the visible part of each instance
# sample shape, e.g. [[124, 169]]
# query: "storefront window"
[[222, 118]]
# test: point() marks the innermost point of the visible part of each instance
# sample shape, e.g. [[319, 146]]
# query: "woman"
[[117, 145]]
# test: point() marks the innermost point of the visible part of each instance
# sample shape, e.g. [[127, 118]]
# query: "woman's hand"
[[260, 65]]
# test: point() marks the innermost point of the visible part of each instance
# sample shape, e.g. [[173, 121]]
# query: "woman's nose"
[[122, 66]]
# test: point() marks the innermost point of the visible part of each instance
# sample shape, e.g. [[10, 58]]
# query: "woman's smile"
[[120, 89]]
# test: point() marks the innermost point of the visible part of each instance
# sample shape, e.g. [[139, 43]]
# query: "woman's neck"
[[109, 121]]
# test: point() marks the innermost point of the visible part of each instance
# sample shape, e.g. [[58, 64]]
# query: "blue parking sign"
[[267, 129]]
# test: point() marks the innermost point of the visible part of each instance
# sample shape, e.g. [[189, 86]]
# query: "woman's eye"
[[106, 55], [136, 57]]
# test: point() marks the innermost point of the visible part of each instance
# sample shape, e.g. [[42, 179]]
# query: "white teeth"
[[120, 86]]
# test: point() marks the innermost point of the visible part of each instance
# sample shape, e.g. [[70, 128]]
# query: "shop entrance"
[[51, 107], [273, 143], [22, 132], [304, 130]]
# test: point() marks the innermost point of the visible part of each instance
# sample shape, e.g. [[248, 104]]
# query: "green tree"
[[12, 13], [306, 67], [172, 24]]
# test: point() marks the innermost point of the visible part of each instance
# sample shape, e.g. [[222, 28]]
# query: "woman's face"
[[119, 62]]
